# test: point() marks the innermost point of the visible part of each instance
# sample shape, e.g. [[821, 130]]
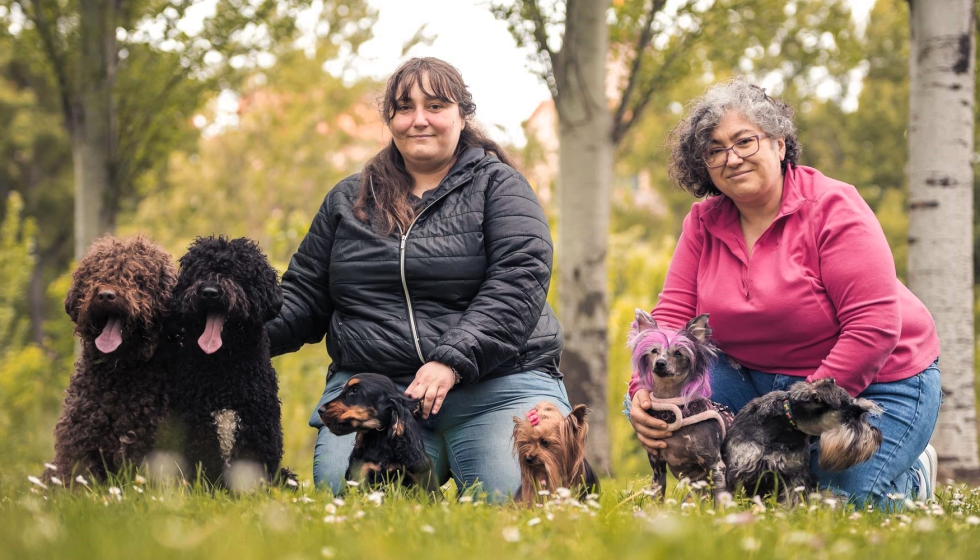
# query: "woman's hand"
[[432, 382], [649, 430]]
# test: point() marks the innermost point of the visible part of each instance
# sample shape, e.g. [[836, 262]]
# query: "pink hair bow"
[[532, 416]]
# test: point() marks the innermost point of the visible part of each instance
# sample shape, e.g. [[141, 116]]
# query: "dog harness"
[[677, 414]]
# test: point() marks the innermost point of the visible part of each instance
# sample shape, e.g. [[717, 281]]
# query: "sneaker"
[[927, 474]]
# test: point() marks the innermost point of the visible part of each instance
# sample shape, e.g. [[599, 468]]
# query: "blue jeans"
[[470, 439], [911, 410]]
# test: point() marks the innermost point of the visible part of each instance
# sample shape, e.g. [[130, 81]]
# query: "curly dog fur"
[[224, 392], [119, 297]]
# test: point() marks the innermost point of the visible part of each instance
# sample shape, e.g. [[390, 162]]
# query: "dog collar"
[[788, 412]]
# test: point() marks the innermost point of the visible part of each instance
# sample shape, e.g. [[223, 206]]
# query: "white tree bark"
[[585, 171], [91, 122], [941, 211]]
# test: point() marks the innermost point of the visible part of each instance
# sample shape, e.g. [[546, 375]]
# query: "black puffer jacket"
[[470, 278]]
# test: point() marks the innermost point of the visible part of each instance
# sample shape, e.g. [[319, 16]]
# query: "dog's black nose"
[[529, 460], [209, 292], [107, 295], [661, 364]]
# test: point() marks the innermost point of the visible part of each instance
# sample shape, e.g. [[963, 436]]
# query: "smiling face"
[[755, 180], [425, 128]]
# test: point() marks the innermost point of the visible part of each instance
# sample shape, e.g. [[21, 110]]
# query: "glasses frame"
[[758, 137]]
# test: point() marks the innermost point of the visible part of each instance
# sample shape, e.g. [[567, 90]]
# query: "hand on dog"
[[432, 382], [649, 430]]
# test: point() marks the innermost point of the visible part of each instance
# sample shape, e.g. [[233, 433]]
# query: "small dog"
[[768, 446], [224, 391], [673, 366], [388, 446], [551, 451], [119, 297]]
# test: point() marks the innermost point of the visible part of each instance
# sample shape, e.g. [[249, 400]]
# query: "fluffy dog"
[[550, 449], [768, 446], [119, 297], [388, 446], [224, 392], [673, 366]]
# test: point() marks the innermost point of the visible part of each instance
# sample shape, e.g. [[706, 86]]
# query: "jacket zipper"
[[401, 261], [408, 298]]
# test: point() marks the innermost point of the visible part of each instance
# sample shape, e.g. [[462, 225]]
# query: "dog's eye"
[[678, 354], [352, 390], [655, 351], [545, 443]]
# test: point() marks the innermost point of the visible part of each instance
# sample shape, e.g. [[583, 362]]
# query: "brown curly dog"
[[119, 296]]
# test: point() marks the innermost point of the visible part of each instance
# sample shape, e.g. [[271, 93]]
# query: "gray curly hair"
[[690, 138]]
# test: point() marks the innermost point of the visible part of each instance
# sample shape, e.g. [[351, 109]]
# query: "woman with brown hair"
[[431, 266]]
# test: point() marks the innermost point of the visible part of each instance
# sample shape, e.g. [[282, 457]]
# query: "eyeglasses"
[[743, 148]]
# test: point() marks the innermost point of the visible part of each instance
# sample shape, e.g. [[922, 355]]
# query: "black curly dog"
[[223, 389], [388, 446], [119, 296]]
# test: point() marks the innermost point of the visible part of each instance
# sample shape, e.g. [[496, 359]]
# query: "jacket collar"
[[467, 162], [721, 217]]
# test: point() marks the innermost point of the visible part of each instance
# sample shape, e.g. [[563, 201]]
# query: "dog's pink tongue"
[[111, 336], [210, 341]]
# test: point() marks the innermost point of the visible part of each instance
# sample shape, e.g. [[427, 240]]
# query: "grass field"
[[135, 520]]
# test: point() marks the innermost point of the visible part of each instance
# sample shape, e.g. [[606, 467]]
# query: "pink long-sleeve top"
[[819, 297]]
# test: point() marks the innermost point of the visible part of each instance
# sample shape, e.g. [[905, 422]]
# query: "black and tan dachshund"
[[388, 446]]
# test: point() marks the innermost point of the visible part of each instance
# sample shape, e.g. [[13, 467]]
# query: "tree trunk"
[[585, 171], [92, 123], [940, 211]]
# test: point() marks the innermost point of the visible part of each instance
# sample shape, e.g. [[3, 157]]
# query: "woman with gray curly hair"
[[795, 272]]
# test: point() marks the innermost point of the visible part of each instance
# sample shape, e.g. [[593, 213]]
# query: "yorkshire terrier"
[[768, 445], [388, 446], [673, 366], [551, 451]]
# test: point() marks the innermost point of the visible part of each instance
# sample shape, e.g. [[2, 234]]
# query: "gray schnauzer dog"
[[767, 450]]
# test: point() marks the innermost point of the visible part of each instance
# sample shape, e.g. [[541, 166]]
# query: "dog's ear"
[[576, 418], [404, 410], [275, 303], [577, 423], [72, 301], [698, 328], [643, 321], [405, 434]]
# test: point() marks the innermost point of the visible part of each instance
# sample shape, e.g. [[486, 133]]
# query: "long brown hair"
[[385, 181]]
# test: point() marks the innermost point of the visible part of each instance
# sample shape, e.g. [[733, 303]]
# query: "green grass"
[[173, 521]]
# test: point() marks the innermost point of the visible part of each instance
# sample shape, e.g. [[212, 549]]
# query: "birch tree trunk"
[[585, 171], [91, 122], [940, 211]]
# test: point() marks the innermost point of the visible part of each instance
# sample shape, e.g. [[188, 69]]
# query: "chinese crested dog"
[[388, 446], [673, 366], [550, 448], [768, 446]]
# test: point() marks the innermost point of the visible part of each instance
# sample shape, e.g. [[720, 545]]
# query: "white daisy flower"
[[511, 534]]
